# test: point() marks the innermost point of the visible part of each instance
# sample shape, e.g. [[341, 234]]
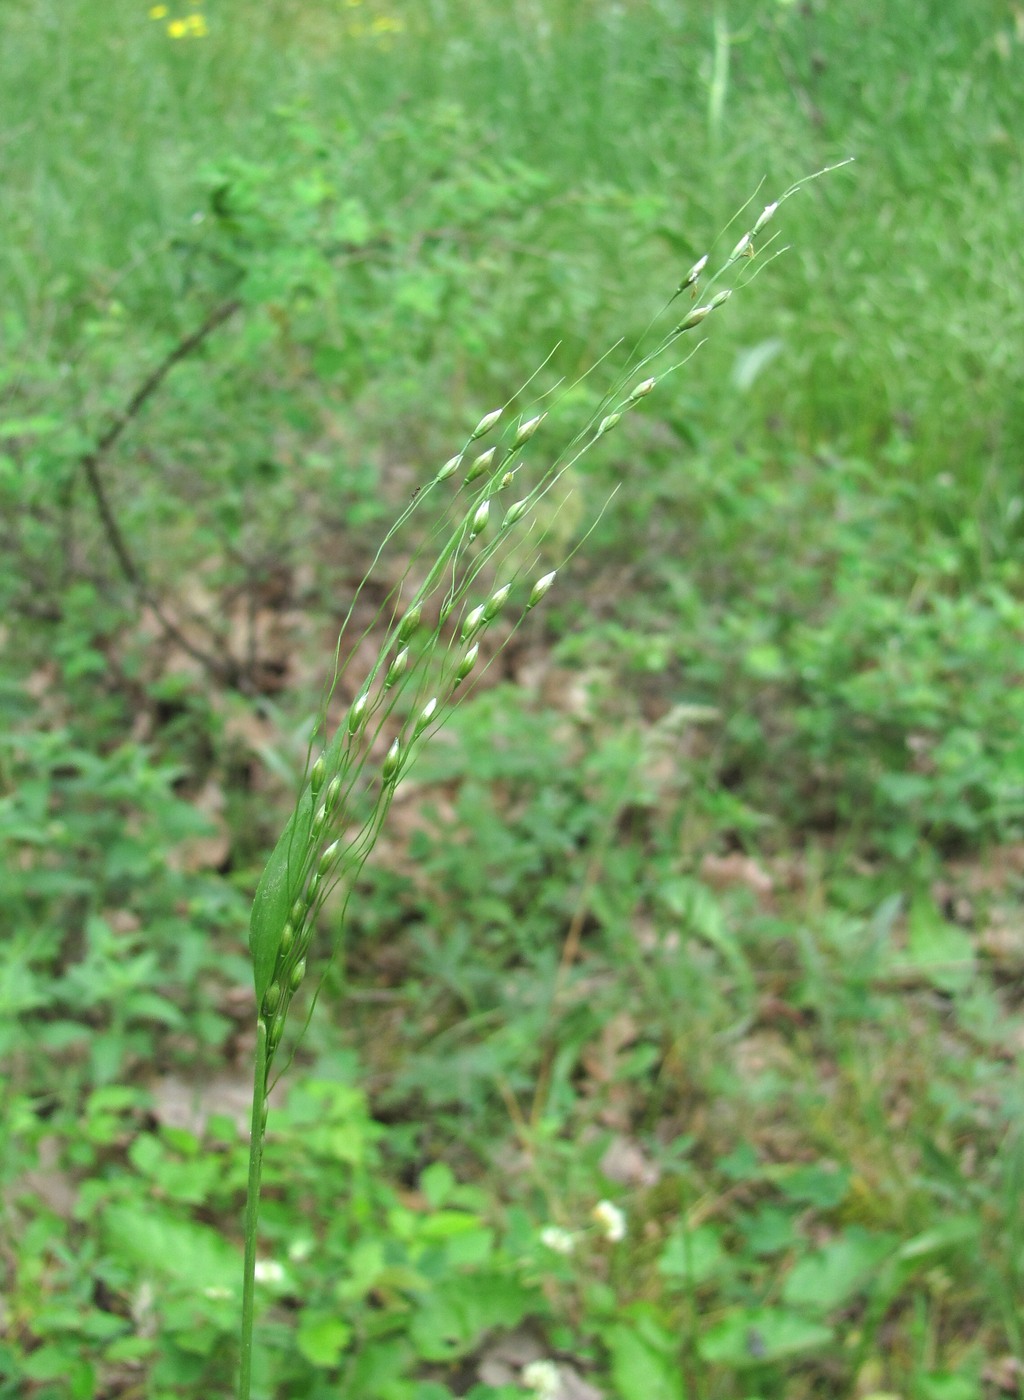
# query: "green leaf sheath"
[[280, 884]]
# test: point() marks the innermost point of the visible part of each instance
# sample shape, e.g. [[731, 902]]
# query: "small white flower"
[[556, 1239], [269, 1271], [216, 1291], [300, 1249], [611, 1219], [542, 1378]]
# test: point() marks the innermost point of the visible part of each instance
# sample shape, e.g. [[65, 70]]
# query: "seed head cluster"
[[432, 663], [364, 761], [480, 571], [434, 644]]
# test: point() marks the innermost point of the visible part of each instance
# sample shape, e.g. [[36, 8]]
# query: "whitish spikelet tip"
[[485, 425], [540, 588], [527, 430]]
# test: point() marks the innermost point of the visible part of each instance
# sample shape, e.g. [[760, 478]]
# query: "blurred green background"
[[708, 902]]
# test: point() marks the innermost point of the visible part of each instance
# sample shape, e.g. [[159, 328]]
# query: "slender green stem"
[[252, 1207]]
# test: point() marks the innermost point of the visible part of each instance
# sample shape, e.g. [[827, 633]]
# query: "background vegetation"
[[708, 904]]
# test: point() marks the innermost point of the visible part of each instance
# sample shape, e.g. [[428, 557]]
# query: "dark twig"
[[90, 463]]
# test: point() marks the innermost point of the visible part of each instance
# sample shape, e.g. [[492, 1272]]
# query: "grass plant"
[[701, 896], [437, 625]]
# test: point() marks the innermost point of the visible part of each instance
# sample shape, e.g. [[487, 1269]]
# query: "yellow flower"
[[177, 29], [157, 11], [197, 25]]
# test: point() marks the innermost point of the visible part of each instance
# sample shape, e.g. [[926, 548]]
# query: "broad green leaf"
[[378, 1367], [366, 1263], [769, 1230], [444, 1223], [754, 1336], [322, 1338], [818, 1186], [467, 1251], [940, 951], [831, 1276], [948, 1385], [351, 222], [693, 1255], [181, 1250], [645, 1363], [951, 1234], [437, 1182], [59, 1361], [461, 1307]]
